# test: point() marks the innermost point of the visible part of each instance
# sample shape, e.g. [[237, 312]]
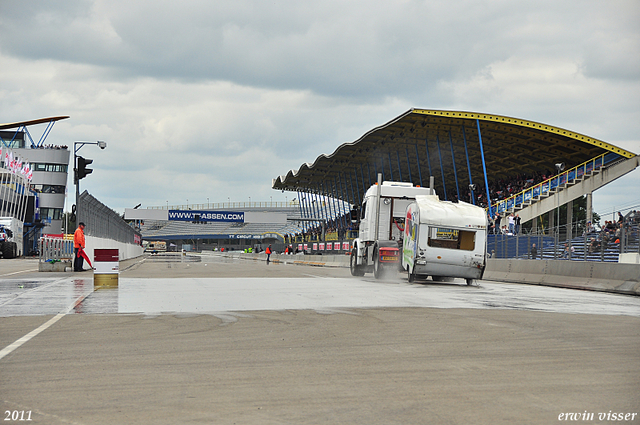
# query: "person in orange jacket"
[[78, 244], [268, 252]]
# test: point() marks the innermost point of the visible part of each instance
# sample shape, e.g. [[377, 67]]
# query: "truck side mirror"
[[354, 214]]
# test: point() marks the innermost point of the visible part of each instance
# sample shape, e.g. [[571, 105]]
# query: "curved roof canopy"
[[31, 122], [422, 142]]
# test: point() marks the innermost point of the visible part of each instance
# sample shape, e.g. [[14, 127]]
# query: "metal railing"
[[55, 249], [227, 205], [547, 187]]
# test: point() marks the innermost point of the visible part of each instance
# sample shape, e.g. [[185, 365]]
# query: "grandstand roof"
[[424, 142], [31, 122]]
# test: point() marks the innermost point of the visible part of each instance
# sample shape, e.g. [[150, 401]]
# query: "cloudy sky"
[[213, 99]]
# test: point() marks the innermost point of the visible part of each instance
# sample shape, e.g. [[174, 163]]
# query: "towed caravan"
[[444, 240]]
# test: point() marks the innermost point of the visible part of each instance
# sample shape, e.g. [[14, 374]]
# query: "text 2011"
[[17, 415]]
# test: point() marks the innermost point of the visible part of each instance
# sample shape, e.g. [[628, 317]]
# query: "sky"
[[208, 101]]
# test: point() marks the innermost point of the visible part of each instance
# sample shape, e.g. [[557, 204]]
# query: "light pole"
[[79, 174]]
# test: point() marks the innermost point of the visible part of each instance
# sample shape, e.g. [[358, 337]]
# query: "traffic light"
[[82, 170]]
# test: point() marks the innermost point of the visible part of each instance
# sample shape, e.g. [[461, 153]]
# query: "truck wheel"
[[356, 270], [7, 250], [378, 269], [469, 282]]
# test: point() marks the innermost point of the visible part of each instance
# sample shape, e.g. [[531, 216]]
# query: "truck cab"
[[381, 227]]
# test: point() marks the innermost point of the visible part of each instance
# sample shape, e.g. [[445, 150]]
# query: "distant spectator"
[[534, 252]]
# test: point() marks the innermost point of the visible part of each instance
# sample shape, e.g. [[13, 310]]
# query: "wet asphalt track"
[[233, 341]]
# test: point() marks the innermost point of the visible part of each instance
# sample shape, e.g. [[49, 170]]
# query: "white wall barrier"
[[126, 250], [57, 254]]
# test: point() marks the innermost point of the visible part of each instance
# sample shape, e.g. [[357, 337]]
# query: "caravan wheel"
[[411, 275]]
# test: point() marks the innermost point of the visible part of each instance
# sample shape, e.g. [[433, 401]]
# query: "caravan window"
[[440, 237]]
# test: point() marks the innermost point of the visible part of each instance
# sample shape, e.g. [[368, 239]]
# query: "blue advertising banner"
[[212, 216]]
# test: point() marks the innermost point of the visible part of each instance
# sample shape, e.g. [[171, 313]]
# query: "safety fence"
[[590, 244], [55, 249], [102, 222], [348, 235], [325, 248]]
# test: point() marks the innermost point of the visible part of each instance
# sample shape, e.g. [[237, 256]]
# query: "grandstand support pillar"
[[426, 146], [418, 162], [354, 195], [453, 161], [466, 152], [390, 166], [300, 208], [343, 220], [406, 150], [590, 207], [444, 186], [552, 219], [484, 168], [569, 221], [358, 196], [322, 207], [534, 226], [400, 169], [368, 175]]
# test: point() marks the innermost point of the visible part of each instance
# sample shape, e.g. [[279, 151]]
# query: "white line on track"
[[20, 341], [21, 271]]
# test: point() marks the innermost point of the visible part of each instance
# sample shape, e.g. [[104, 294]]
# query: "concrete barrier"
[[591, 275], [58, 266], [338, 260]]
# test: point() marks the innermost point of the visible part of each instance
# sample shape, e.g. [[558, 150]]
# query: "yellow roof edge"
[[529, 124]]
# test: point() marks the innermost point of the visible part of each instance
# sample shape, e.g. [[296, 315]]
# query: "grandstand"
[[237, 235], [471, 157]]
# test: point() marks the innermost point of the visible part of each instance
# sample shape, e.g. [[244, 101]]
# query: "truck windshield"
[[441, 237]]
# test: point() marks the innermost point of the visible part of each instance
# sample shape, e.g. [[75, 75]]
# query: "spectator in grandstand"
[[497, 221], [534, 251], [492, 224], [517, 221], [589, 228], [512, 223]]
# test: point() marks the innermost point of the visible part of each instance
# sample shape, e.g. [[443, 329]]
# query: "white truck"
[[381, 226], [444, 240], [10, 237]]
